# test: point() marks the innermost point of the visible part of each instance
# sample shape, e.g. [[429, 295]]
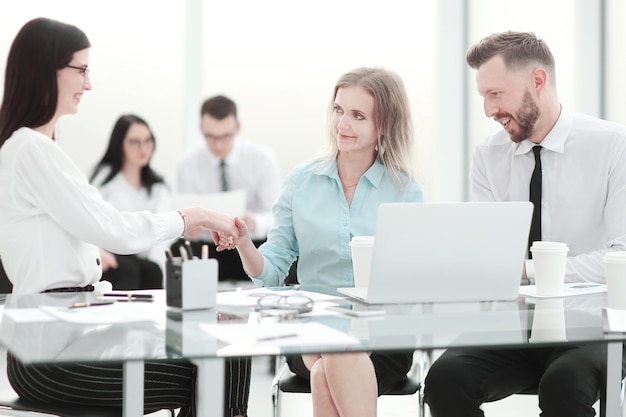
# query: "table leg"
[[210, 387], [610, 402], [133, 388]]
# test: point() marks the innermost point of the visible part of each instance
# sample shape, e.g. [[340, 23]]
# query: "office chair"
[[14, 406], [287, 382], [20, 407]]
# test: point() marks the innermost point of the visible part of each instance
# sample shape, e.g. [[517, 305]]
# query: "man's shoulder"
[[248, 147], [497, 141], [586, 123], [193, 153]]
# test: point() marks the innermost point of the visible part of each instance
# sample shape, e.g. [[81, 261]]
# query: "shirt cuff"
[[173, 224]]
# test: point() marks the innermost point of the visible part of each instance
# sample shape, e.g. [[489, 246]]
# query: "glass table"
[[30, 332]]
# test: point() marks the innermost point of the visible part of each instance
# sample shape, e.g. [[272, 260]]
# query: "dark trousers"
[[134, 273], [228, 261], [567, 379], [167, 384]]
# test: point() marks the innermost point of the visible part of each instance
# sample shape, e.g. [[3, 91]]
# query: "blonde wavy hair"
[[392, 117]]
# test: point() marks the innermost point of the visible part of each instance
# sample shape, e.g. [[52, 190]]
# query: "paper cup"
[[615, 274], [362, 248], [549, 260], [548, 321]]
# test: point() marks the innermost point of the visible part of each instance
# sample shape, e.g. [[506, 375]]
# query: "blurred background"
[[279, 60]]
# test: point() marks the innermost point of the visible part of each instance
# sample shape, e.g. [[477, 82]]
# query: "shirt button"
[[98, 261]]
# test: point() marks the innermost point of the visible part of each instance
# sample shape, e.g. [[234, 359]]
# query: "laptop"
[[447, 252]]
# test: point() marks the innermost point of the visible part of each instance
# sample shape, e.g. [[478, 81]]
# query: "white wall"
[[278, 59], [136, 67]]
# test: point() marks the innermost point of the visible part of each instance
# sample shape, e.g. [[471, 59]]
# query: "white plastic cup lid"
[[546, 245], [362, 241], [615, 257]]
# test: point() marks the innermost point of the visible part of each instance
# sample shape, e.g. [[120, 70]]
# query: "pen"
[[205, 252], [128, 297], [183, 253], [94, 304], [282, 336], [168, 254], [189, 249]]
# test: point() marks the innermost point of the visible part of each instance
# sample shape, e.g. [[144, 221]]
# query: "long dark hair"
[[114, 156], [40, 48]]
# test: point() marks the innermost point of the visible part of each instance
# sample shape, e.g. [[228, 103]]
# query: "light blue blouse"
[[312, 220]]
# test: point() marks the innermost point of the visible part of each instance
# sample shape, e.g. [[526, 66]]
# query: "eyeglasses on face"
[[138, 143], [84, 71], [227, 137]]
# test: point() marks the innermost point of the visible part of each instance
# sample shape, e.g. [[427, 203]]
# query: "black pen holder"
[[191, 284]]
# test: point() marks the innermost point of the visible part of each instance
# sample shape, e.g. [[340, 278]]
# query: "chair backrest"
[[26, 408], [294, 384], [5, 285]]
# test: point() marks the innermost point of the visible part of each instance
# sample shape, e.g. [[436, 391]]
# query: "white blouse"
[[52, 221], [125, 197]]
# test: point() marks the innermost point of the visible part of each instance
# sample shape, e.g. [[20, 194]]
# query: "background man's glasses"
[[220, 138]]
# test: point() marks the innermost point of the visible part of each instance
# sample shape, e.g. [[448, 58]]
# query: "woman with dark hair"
[[126, 180], [52, 222]]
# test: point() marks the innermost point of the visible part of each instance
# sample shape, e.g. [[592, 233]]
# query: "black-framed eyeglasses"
[[138, 143], [298, 302], [226, 137], [84, 71]]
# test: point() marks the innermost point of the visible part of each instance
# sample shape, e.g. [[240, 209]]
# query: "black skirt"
[[390, 368]]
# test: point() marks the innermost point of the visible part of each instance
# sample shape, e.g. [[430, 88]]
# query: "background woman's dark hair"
[[114, 156], [40, 48]]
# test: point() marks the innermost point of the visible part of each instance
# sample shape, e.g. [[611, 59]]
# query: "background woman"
[[126, 180]]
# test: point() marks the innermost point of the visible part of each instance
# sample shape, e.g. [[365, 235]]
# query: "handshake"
[[227, 231]]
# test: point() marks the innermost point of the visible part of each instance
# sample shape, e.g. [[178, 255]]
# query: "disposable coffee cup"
[[548, 321], [615, 274], [362, 248], [549, 260]]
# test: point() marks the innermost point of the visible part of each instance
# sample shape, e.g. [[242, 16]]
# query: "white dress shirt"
[[52, 221], [583, 189], [125, 197], [249, 166]]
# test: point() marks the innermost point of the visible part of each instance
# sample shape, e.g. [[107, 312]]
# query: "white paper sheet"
[[614, 320], [229, 202], [251, 296], [283, 334], [569, 289], [107, 314]]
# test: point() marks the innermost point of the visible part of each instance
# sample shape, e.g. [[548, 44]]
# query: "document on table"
[[250, 298], [229, 202], [614, 320], [107, 314], [569, 289], [284, 334]]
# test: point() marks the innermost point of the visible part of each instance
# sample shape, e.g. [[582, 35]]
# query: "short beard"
[[526, 119]]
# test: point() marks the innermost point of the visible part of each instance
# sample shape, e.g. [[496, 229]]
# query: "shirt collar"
[[374, 174], [555, 139], [232, 158]]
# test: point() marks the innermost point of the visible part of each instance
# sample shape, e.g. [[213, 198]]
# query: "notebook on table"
[[446, 252]]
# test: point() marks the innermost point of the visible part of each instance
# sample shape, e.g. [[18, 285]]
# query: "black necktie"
[[535, 198], [223, 178]]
